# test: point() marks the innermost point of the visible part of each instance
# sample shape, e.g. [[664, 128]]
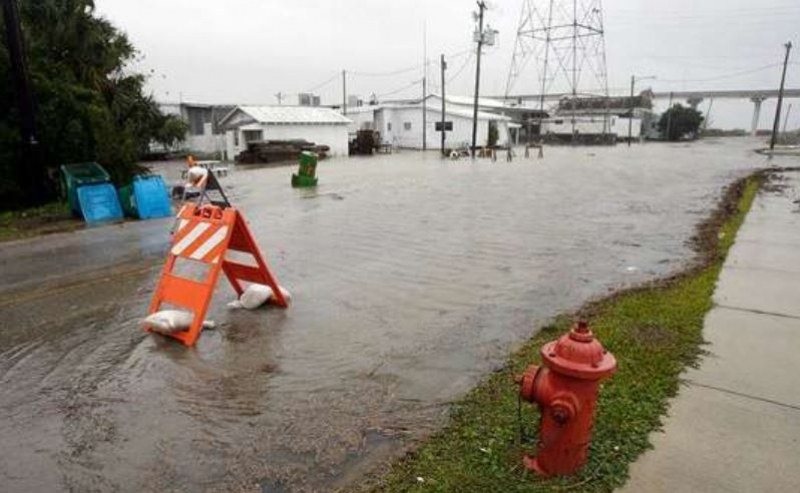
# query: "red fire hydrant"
[[566, 389]]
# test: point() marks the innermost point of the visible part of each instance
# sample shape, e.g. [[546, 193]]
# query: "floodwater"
[[412, 278]]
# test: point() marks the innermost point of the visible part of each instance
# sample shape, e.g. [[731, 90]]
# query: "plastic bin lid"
[[99, 203], [152, 199]]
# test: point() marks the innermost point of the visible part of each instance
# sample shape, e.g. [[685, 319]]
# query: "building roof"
[[469, 101], [283, 115], [449, 110]]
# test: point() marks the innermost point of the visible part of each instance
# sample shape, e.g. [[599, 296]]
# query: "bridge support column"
[[757, 100]]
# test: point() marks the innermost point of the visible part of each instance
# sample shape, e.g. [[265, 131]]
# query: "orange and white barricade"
[[205, 233]]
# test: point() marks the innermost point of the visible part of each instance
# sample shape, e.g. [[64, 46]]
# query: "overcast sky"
[[246, 51]]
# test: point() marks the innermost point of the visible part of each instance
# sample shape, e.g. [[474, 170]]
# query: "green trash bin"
[[308, 164], [78, 174], [306, 175], [128, 201]]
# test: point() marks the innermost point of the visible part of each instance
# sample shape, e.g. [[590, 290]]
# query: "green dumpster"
[[79, 174], [128, 200], [306, 175]]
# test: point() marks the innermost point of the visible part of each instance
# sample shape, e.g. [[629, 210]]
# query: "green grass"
[[655, 331], [48, 218]]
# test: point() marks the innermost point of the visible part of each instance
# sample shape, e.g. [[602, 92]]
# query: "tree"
[[683, 121], [90, 107]]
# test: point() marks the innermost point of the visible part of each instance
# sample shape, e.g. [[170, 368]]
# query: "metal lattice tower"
[[565, 38]]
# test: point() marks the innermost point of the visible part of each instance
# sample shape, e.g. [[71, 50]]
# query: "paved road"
[[735, 426]]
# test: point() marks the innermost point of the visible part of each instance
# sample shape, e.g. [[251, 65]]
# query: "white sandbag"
[[170, 321], [256, 295]]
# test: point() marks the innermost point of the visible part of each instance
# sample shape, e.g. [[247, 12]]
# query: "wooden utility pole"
[[630, 116], [425, 87], [669, 116], [443, 66], [775, 124], [481, 7], [344, 92], [424, 113], [31, 169]]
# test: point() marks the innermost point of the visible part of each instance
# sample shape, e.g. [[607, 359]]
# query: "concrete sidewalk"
[[735, 425]]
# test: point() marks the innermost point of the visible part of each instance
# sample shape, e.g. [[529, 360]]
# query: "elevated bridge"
[[693, 98]]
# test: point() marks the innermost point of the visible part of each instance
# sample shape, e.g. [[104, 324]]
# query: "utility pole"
[[574, 67], [481, 7], [31, 169], [425, 87], [424, 115], [775, 124], [443, 66], [669, 117], [630, 116], [344, 92], [708, 114]]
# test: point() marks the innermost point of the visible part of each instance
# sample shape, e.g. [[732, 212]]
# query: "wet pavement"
[[412, 278]]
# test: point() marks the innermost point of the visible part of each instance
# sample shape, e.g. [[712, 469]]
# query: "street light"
[[630, 117]]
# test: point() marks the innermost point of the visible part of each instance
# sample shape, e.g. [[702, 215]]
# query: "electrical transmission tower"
[[565, 40]]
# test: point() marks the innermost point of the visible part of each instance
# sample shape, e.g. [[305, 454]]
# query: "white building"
[[643, 125], [401, 124], [203, 135], [322, 126]]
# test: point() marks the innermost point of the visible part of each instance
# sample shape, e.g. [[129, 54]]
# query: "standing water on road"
[[412, 278]]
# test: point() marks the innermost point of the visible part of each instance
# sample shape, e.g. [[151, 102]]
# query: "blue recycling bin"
[[151, 196], [99, 203]]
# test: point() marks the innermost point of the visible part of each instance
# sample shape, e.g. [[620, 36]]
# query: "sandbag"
[[171, 321], [256, 295]]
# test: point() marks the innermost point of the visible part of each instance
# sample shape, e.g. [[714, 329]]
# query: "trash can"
[[308, 164], [146, 198], [305, 176], [79, 174]]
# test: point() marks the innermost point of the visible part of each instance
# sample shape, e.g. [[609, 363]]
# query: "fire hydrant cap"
[[579, 355]]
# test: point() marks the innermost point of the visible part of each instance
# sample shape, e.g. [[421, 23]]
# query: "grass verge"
[[49, 218], [655, 331]]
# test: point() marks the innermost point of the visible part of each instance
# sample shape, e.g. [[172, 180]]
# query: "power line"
[[461, 69], [727, 76], [409, 86], [323, 84], [409, 68]]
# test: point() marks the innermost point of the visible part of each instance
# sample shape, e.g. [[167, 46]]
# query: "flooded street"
[[412, 278]]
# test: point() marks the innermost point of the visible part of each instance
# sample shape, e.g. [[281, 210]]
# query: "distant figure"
[[509, 154]]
